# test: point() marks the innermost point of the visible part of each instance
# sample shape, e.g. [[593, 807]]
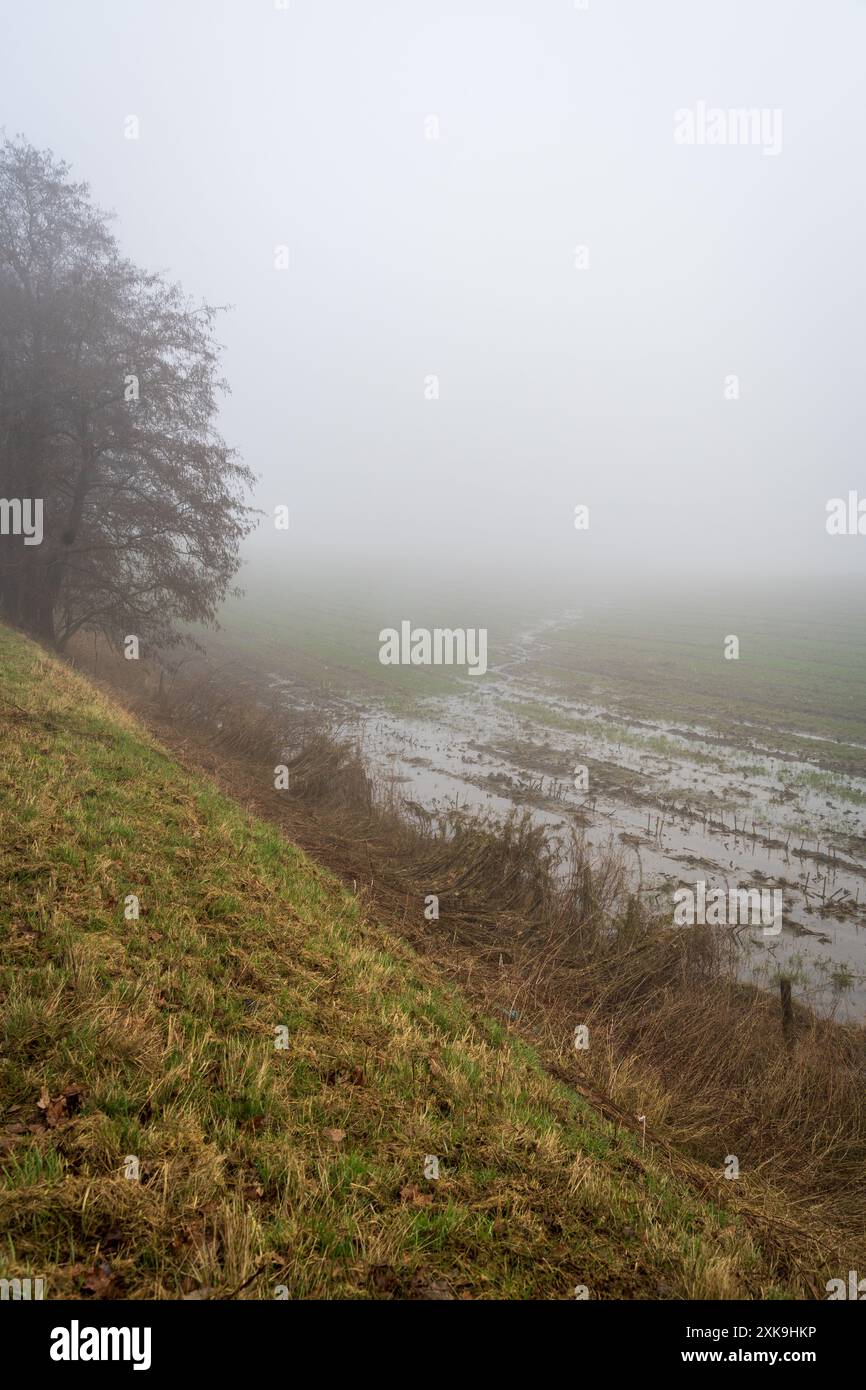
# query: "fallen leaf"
[[100, 1282], [414, 1196], [384, 1279], [54, 1111], [354, 1077], [61, 1107], [426, 1287]]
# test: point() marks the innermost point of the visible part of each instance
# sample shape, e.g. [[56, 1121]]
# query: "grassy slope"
[[165, 1025]]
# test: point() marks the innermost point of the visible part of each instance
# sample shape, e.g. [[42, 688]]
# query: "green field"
[[801, 669], [326, 634]]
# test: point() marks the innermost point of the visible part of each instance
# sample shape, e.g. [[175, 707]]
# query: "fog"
[[432, 170], [498, 799]]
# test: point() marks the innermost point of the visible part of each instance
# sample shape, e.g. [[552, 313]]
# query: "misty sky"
[[410, 256]]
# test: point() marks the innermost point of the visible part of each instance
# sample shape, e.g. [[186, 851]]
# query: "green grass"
[[301, 1167], [826, 782]]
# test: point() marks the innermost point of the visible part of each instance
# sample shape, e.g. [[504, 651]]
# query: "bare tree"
[[109, 379]]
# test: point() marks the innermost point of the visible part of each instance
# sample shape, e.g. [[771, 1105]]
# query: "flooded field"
[[682, 802], [621, 721]]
